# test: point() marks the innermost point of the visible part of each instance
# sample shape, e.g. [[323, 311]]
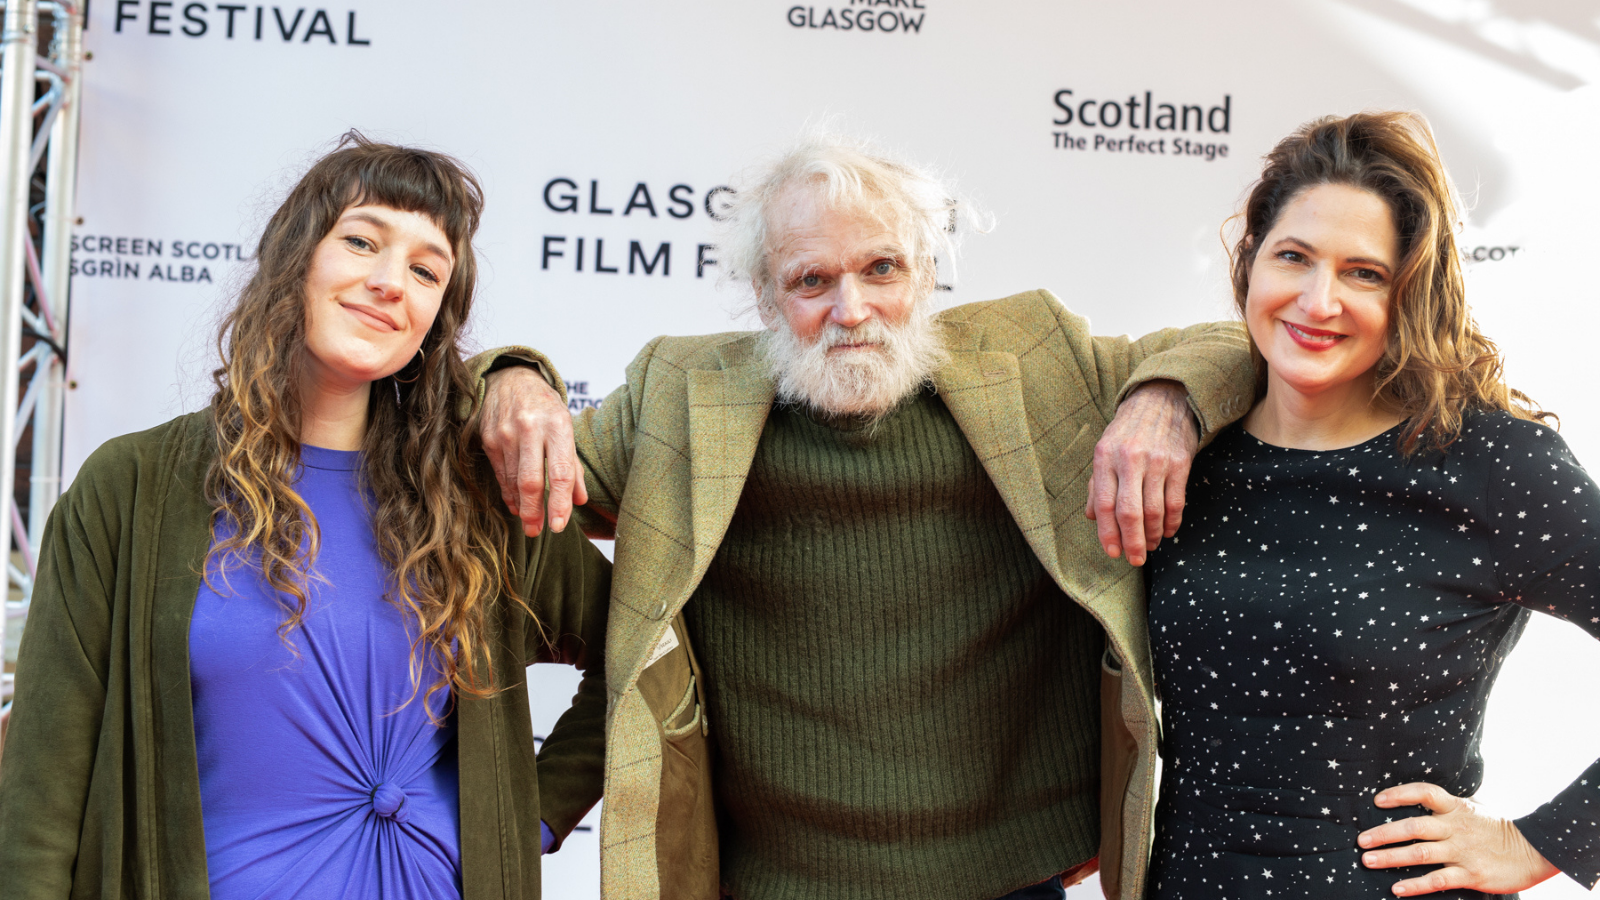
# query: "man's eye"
[[884, 267], [810, 281]]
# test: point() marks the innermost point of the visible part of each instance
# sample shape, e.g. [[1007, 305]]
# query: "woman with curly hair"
[[277, 648], [1359, 555]]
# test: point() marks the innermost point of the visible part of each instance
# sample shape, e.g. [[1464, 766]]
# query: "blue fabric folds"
[[317, 777]]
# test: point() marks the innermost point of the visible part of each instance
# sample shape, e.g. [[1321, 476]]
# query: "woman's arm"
[[1545, 515], [62, 675], [570, 593]]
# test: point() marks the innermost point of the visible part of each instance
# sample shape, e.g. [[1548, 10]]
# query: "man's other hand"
[[527, 434], [1141, 468]]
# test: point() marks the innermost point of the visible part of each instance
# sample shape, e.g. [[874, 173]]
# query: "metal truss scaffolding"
[[39, 114]]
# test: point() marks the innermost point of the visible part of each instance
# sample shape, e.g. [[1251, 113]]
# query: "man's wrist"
[[1174, 394]]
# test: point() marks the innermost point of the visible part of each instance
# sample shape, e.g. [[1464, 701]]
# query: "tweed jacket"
[[100, 785], [666, 457]]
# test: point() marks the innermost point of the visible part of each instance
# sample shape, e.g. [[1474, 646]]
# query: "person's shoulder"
[[1028, 316], [122, 460], [697, 350], [1502, 431]]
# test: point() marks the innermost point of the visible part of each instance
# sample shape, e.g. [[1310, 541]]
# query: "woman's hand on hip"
[[1473, 850]]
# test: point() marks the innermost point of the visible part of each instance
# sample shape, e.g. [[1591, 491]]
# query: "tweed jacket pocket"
[[668, 684], [686, 838], [1068, 467]]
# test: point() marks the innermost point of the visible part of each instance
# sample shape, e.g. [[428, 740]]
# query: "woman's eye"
[[360, 243], [1293, 256], [810, 281], [1369, 275], [425, 275]]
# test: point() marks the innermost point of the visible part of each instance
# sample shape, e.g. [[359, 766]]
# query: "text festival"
[[165, 17], [1141, 115]]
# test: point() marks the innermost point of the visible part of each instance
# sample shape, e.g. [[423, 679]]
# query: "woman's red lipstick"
[[1313, 338]]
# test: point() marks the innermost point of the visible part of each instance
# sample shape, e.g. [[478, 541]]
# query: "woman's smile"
[[1313, 338]]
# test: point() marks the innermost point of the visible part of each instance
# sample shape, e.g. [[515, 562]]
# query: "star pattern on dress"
[[1323, 627]]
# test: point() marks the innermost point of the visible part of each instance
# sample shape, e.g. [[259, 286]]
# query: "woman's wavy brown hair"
[[443, 544], [1437, 365]]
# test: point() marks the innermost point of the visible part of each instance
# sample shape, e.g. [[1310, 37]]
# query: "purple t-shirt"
[[317, 779]]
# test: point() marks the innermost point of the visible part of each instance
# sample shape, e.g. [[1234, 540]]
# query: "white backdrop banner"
[[1111, 141]]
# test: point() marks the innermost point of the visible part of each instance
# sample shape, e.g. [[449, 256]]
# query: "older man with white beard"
[[863, 642]]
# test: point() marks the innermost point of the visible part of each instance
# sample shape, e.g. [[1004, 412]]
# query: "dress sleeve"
[[1546, 518]]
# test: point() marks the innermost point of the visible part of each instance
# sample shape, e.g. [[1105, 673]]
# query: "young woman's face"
[[374, 287], [1318, 306]]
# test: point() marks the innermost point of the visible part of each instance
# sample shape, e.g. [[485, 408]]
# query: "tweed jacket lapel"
[[728, 409], [983, 391]]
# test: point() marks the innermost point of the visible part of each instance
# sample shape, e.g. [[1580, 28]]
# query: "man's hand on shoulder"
[[1141, 469], [527, 434]]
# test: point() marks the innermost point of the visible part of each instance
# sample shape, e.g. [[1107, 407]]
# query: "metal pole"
[[17, 38], [60, 194]]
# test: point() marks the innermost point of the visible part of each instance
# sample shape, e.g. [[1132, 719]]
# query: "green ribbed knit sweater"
[[904, 704]]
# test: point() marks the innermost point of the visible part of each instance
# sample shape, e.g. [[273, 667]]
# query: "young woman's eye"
[[358, 242], [1293, 256], [425, 274], [1371, 275]]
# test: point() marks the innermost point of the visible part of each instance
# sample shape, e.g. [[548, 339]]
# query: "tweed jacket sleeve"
[[605, 439], [479, 367], [1211, 360]]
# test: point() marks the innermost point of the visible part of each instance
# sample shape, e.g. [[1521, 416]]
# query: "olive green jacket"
[[666, 457], [99, 785]]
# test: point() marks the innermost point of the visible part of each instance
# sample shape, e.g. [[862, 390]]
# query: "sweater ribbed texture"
[[903, 702]]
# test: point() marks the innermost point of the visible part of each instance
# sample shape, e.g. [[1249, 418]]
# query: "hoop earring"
[[422, 359]]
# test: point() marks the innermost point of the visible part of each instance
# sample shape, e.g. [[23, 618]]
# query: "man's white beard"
[[859, 382]]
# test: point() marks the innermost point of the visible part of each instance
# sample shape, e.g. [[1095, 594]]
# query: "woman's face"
[[375, 285], [1318, 306]]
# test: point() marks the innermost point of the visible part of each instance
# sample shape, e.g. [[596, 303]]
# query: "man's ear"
[[767, 311]]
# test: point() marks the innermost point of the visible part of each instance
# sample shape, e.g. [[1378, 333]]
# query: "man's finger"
[[1176, 496], [561, 475], [1155, 508], [491, 449], [1130, 516], [1103, 502]]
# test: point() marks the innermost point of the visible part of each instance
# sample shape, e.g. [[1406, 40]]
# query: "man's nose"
[[850, 304]]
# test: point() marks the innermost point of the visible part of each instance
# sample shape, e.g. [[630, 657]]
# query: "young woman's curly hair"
[[1437, 365], [436, 532]]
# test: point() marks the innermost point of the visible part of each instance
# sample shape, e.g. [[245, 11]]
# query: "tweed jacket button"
[[661, 611]]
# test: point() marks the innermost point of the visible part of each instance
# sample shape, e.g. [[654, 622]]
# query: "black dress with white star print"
[[1329, 624]]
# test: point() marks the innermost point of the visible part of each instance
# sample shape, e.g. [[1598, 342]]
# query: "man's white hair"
[[846, 173]]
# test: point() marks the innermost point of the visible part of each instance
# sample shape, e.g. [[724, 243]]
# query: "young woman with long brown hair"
[[277, 648], [1358, 556]]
